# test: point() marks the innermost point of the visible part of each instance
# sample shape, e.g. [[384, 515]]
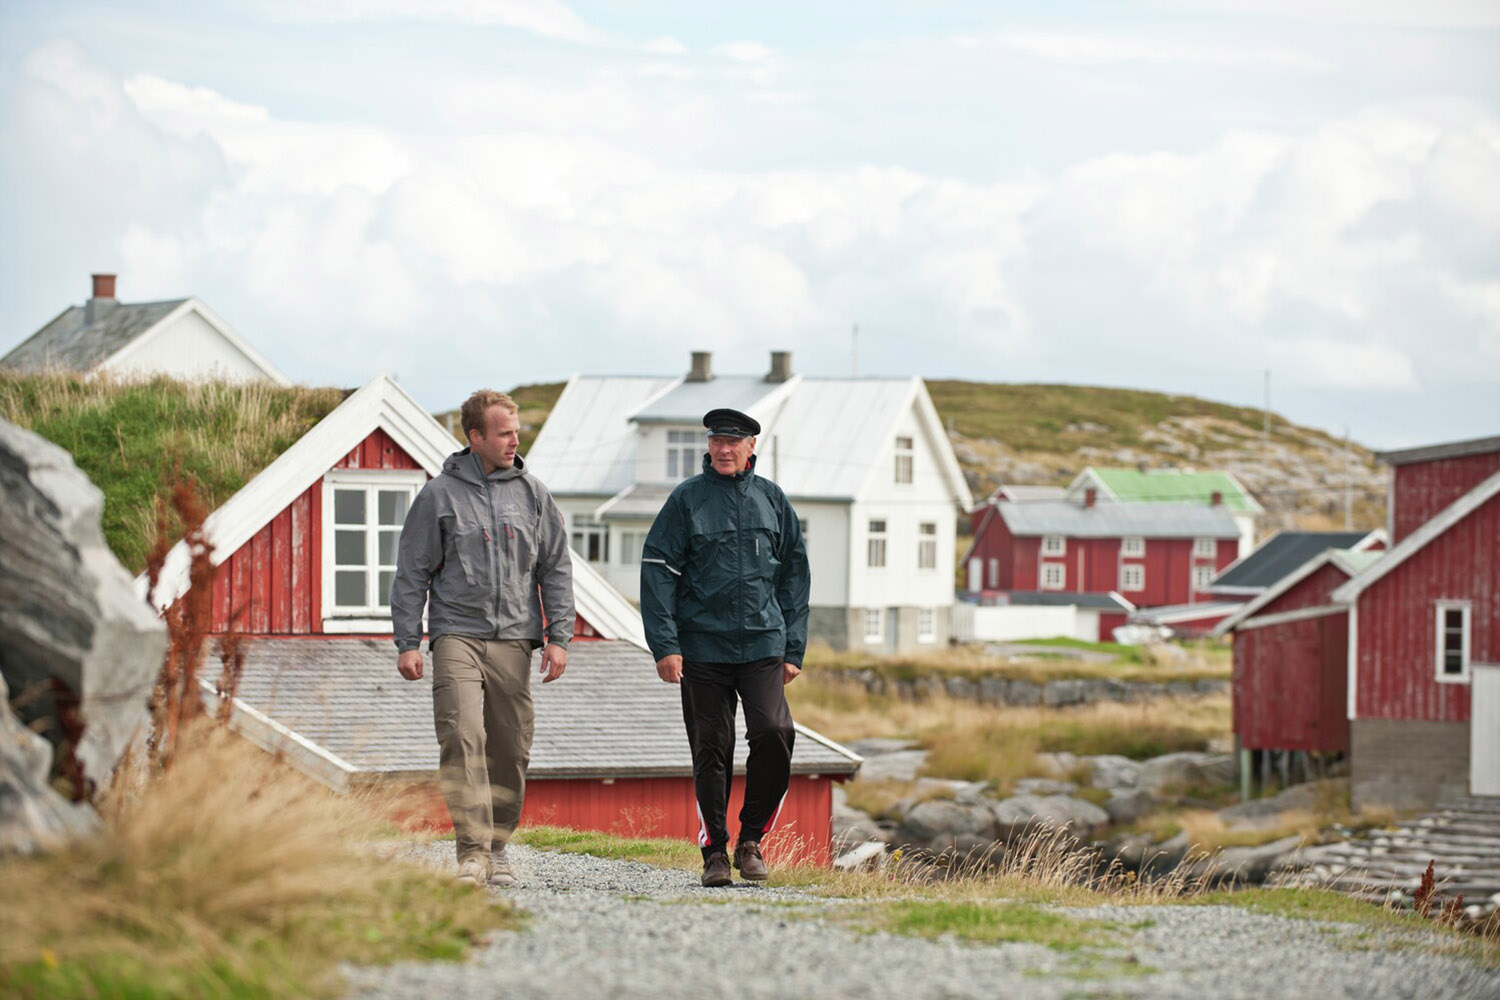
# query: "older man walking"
[[481, 542], [724, 591]]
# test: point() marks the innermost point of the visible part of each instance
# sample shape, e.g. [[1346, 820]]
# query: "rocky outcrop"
[[33, 817], [79, 649]]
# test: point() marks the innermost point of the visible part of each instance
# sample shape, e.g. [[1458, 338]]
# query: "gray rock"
[[1129, 805], [1262, 814], [901, 765], [1023, 693], [869, 857], [961, 687], [854, 826], [940, 824], [1188, 769], [69, 612], [1061, 762], [1056, 694], [1247, 865], [1045, 786], [876, 746], [993, 690], [1023, 812], [33, 817], [1113, 771]]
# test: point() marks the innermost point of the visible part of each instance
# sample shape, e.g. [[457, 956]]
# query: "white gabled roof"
[[1419, 539], [381, 404], [259, 360], [823, 436]]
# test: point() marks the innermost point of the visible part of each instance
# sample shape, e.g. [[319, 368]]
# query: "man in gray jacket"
[[481, 542]]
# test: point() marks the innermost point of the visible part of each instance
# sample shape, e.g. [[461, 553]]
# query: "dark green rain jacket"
[[724, 575]]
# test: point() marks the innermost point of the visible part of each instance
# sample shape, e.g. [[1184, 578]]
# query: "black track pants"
[[709, 693]]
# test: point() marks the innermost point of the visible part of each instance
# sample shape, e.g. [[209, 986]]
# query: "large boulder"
[[1022, 814], [1113, 771], [945, 825], [73, 631], [1186, 771]]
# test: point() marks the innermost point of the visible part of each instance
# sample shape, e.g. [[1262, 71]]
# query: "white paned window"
[[1205, 548], [590, 539], [1133, 545], [1133, 577], [903, 459], [683, 454], [875, 547], [1054, 576], [927, 545], [994, 573], [874, 625], [1203, 577], [926, 625], [1453, 641], [631, 543], [362, 516], [1054, 545]]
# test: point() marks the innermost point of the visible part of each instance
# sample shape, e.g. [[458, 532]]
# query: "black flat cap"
[[725, 422]]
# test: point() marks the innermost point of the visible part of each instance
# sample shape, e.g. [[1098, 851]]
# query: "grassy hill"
[[1046, 434]]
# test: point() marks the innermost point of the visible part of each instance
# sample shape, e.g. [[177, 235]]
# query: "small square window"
[[363, 514], [1054, 576], [1054, 545], [1133, 577], [874, 625], [1453, 639], [926, 625], [1133, 545], [1203, 577], [1205, 548]]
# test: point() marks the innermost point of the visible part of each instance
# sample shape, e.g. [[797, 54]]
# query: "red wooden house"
[[1149, 553], [304, 555], [1290, 679], [1424, 633]]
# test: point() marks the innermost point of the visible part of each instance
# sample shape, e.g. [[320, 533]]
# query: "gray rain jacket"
[[481, 546]]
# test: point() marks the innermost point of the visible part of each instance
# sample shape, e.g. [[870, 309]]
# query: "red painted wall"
[[1312, 592], [1397, 622], [1289, 684], [653, 807], [1422, 489]]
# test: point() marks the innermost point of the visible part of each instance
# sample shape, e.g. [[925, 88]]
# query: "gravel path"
[[599, 928]]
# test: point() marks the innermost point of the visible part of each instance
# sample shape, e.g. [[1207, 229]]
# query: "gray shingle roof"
[[1282, 554], [1059, 598], [1108, 519], [69, 342], [608, 716], [689, 401]]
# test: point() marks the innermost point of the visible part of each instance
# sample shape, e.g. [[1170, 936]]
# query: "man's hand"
[[789, 672], [410, 664], [554, 662], [669, 668]]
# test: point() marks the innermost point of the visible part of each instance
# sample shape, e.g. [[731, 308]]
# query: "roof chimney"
[[781, 366], [103, 301], [1089, 496], [703, 369], [1217, 499]]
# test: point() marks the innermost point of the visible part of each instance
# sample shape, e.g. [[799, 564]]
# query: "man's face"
[[730, 454], [496, 447]]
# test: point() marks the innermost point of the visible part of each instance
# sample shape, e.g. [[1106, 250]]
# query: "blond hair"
[[472, 412]]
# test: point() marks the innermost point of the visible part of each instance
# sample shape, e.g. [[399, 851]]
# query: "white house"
[[865, 462], [182, 338]]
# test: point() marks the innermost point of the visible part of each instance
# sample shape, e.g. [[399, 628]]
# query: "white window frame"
[[1054, 545], [927, 545], [632, 540], [927, 625], [1136, 570], [1054, 576], [683, 457], [904, 459], [1133, 547], [376, 615], [874, 625], [875, 543], [587, 526], [994, 569], [1202, 579], [1205, 548], [1466, 637]]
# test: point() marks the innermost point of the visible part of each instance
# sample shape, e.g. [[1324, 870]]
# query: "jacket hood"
[[465, 465]]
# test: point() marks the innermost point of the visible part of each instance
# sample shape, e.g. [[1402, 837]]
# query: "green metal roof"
[[1175, 486]]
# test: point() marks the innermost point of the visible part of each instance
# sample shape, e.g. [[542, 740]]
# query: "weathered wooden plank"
[[302, 569], [281, 573]]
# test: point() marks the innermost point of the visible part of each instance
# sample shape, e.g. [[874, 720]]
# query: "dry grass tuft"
[[229, 875]]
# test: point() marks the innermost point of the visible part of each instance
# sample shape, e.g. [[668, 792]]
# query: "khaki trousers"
[[482, 708]]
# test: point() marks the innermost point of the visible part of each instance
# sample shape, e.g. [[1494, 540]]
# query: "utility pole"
[[1265, 425], [1348, 485]]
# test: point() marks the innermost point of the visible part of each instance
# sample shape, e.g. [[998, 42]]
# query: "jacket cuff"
[[406, 645], [562, 641]]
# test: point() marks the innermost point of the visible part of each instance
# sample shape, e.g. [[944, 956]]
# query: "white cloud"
[[1427, 14], [1099, 50], [1341, 365], [546, 18]]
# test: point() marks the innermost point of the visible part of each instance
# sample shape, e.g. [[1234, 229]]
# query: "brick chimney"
[[702, 369], [1217, 499], [103, 301], [781, 366], [1089, 496]]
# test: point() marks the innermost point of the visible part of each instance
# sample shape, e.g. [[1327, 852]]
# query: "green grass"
[[981, 921], [1121, 652], [661, 852], [128, 437], [1204, 661]]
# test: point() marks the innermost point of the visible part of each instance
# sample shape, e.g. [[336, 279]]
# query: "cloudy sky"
[[1167, 195]]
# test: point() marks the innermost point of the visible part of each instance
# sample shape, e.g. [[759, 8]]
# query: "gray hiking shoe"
[[500, 870], [472, 871]]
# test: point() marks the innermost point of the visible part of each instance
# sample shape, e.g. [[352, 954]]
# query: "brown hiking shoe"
[[716, 869], [748, 860]]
